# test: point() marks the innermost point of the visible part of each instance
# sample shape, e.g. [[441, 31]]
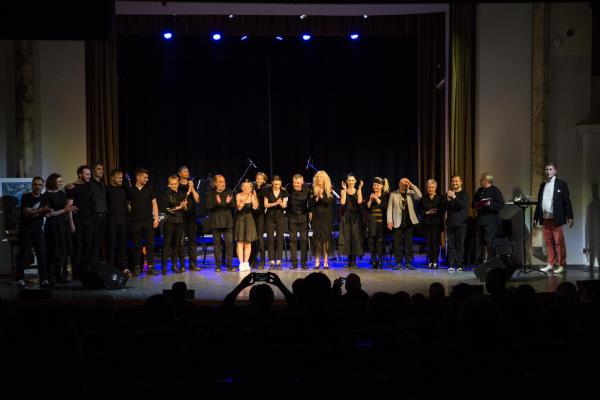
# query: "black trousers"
[[258, 246], [485, 239], [376, 241], [432, 233], [29, 238], [98, 236], [275, 224], [455, 236], [220, 235], [117, 242], [142, 229], [298, 223], [190, 230], [172, 233], [403, 244], [82, 245]]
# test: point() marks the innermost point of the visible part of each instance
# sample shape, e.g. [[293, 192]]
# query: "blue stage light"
[[168, 35], [244, 37], [306, 37], [279, 37], [216, 36], [354, 36]]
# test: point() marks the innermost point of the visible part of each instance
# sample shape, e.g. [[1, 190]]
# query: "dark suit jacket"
[[561, 203]]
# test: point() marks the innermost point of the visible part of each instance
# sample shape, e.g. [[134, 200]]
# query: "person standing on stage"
[[57, 231], [456, 223], [99, 210], [488, 202], [190, 225], [297, 213], [260, 187], [174, 204], [433, 206], [220, 204], [116, 201], [376, 219], [275, 202], [144, 220], [245, 230], [554, 209], [321, 218], [351, 225], [31, 233], [79, 194], [402, 218]]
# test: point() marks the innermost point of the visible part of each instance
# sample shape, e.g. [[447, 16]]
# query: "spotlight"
[[231, 16], [303, 16], [216, 36], [354, 36], [306, 37], [168, 35], [279, 37], [244, 37], [365, 16]]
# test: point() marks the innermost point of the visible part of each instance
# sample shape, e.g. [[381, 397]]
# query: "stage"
[[212, 287]]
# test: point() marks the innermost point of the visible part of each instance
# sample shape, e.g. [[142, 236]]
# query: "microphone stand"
[[310, 165], [242, 177]]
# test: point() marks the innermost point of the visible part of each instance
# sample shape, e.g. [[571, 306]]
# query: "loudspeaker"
[[103, 276], [495, 262]]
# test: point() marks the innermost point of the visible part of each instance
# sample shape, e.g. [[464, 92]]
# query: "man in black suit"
[[553, 210], [488, 202]]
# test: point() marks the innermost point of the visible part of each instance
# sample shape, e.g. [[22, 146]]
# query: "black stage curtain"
[[177, 100], [212, 105]]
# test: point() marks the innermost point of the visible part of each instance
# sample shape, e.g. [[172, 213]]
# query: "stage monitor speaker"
[[103, 276], [495, 262]]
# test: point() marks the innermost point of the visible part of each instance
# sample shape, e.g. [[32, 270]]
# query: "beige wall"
[[60, 106], [503, 101], [7, 107]]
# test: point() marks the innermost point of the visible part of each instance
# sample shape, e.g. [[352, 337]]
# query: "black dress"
[[351, 227], [433, 224], [245, 229], [322, 225], [57, 232]]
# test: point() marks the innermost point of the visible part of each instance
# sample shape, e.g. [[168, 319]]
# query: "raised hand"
[[274, 279], [360, 185], [228, 199], [344, 186], [248, 280], [218, 198]]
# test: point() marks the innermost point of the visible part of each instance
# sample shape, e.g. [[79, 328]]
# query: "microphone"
[[308, 163], [251, 163]]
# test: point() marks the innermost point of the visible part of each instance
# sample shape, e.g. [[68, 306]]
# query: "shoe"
[[354, 266], [244, 267], [547, 268], [151, 271], [45, 284], [409, 266], [194, 268], [217, 269], [395, 268], [325, 266], [271, 265], [279, 267], [430, 266], [137, 271], [175, 270], [304, 266], [450, 268], [317, 266], [126, 271], [294, 266], [435, 266], [459, 268], [261, 265], [560, 270], [22, 284], [230, 268]]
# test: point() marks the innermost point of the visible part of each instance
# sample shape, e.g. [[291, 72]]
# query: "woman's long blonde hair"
[[326, 183]]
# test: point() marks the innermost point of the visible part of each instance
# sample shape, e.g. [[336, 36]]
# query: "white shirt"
[[548, 198]]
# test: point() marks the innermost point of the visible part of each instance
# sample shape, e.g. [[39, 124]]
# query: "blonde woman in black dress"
[[321, 218], [245, 229]]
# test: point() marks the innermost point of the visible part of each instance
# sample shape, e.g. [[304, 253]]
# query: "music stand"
[[526, 267]]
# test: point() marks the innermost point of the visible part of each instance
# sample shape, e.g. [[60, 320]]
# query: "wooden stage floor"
[[211, 286]]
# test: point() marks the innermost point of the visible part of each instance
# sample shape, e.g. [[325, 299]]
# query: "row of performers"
[[78, 220]]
